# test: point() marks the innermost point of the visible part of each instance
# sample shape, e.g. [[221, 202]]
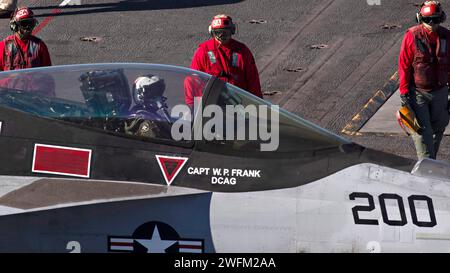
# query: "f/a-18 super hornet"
[[156, 158]]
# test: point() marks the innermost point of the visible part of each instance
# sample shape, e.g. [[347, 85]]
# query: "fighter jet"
[[143, 158]]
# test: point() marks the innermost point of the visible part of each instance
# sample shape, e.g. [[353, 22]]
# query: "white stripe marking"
[[121, 240], [70, 3], [122, 248], [189, 250], [190, 243]]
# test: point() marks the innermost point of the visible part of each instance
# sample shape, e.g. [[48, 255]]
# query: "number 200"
[[382, 199]]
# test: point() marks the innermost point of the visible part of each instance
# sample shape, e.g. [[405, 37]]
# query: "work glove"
[[130, 128], [405, 99]]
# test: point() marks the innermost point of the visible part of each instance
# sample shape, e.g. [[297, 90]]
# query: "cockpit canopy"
[[101, 97]]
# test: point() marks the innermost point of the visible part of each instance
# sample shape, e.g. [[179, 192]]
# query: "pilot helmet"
[[147, 89]]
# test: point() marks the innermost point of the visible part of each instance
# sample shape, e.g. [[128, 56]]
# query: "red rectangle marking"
[[61, 160]]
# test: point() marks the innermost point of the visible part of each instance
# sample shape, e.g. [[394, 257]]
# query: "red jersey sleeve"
[[405, 62], [193, 87], [2, 49], [46, 61], [252, 75], [197, 61]]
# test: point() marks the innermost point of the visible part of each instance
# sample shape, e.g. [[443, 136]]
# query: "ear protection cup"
[[418, 18], [12, 23], [13, 26], [233, 28]]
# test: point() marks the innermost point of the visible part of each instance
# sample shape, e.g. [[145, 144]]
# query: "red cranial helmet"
[[222, 21], [431, 13], [22, 13], [22, 18]]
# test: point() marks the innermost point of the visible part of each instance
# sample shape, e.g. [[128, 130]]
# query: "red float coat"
[[424, 59], [28, 53], [232, 63]]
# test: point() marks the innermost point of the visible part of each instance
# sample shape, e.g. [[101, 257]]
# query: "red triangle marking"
[[170, 166]]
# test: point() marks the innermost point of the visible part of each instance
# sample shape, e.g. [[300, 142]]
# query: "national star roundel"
[[155, 237], [170, 166]]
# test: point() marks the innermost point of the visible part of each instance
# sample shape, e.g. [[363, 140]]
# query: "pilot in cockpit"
[[150, 116]]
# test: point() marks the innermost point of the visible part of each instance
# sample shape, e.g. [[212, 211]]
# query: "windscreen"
[[244, 122]]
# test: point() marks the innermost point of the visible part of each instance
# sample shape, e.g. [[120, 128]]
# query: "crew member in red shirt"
[[423, 68], [226, 58], [21, 49]]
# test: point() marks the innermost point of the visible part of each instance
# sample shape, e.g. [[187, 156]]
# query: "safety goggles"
[[221, 32], [27, 24], [434, 20]]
